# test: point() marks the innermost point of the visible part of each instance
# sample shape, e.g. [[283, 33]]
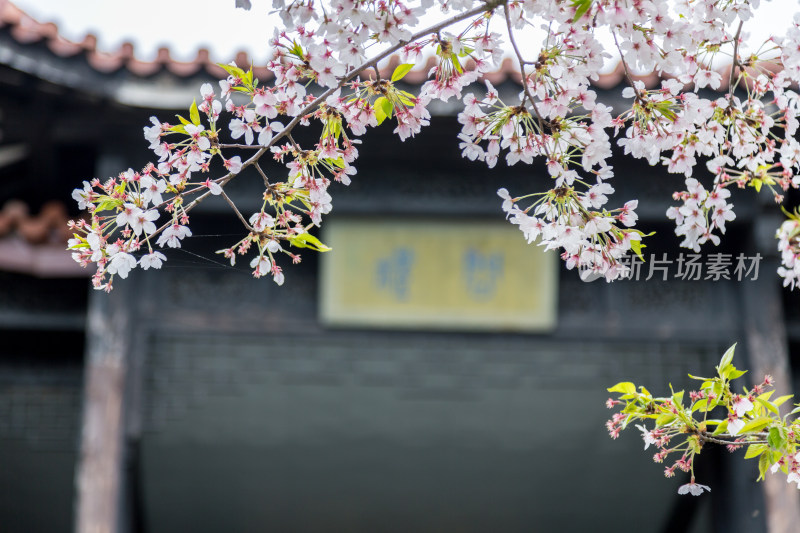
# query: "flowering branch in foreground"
[[323, 63], [713, 415]]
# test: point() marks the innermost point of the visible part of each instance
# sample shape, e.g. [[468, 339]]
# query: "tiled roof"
[[49, 225], [36, 244], [26, 30]]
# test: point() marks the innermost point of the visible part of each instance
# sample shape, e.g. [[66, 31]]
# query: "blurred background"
[[432, 373]]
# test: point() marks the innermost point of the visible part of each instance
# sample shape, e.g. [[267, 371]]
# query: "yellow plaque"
[[432, 274]]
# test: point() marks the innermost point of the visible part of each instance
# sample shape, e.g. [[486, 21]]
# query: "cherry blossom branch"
[[751, 419], [129, 205], [569, 218], [486, 6]]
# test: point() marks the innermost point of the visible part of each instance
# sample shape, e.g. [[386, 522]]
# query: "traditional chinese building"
[[432, 373]]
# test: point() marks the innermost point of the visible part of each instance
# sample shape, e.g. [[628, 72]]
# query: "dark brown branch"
[[241, 146], [236, 210], [263, 175], [735, 64], [525, 88], [625, 65]]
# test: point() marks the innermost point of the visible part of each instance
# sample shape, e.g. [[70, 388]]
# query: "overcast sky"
[[186, 25]]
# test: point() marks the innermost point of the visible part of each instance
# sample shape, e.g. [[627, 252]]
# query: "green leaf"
[[736, 373], [457, 63], [767, 395], [401, 70], [233, 70], [756, 425], [624, 387], [465, 51], [677, 398], [194, 114], [178, 129], [385, 105], [663, 420], [107, 203], [183, 120], [81, 243], [730, 372], [708, 406], [775, 439], [727, 357], [581, 8], [664, 109], [306, 240], [637, 246], [700, 404], [769, 405], [380, 114], [407, 98], [781, 400], [334, 128], [763, 464], [754, 450]]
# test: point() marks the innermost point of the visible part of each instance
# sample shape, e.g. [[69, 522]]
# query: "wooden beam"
[[769, 354], [99, 474]]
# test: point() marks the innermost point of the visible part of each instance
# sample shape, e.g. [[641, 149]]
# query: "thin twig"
[[721, 439], [625, 65], [236, 210], [525, 88], [263, 175], [294, 144], [240, 146], [736, 64], [222, 182]]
